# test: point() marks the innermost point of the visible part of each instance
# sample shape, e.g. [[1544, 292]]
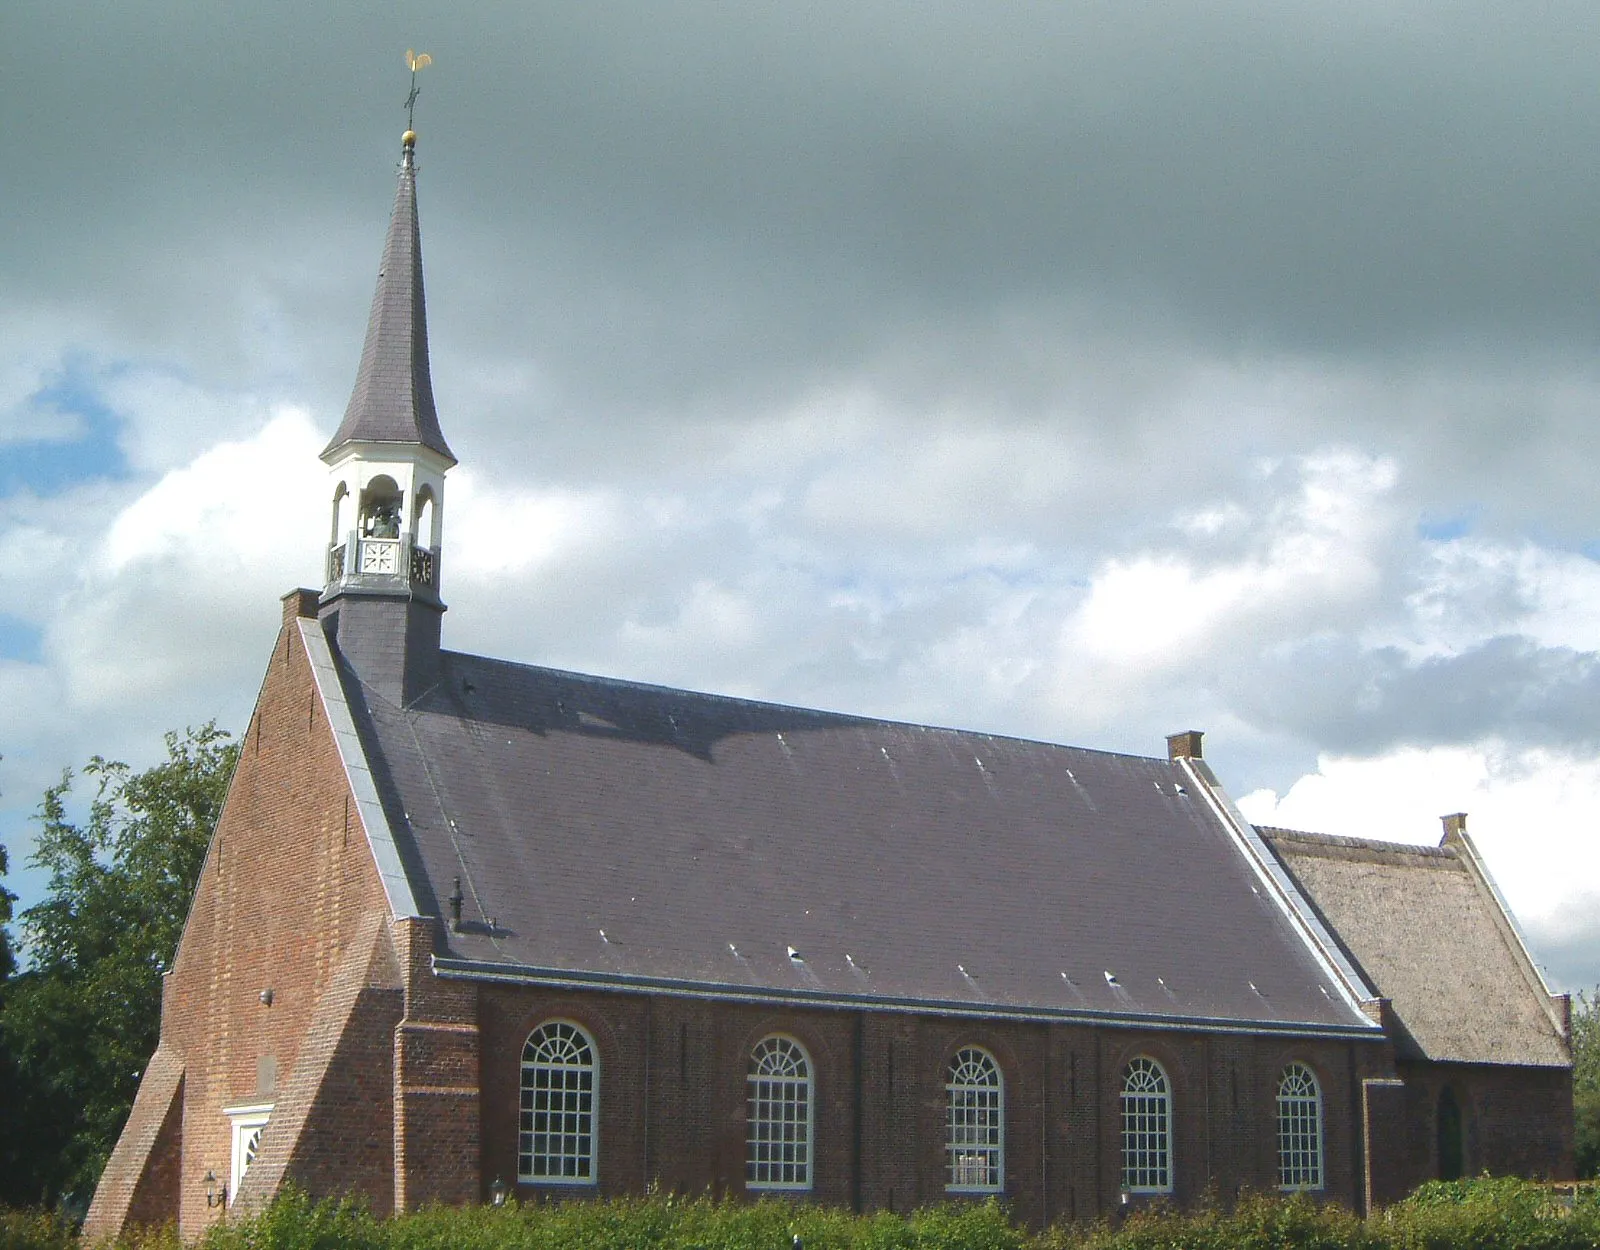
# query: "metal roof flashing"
[[450, 968], [358, 773], [1510, 929], [1352, 986]]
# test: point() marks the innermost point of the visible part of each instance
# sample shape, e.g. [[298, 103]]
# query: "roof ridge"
[[857, 718], [1378, 846]]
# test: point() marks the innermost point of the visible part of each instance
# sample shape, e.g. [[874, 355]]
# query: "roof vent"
[[795, 955], [1111, 980]]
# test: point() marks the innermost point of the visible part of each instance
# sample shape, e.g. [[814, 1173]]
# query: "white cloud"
[[1318, 549], [35, 344], [154, 603], [168, 419], [1535, 814], [249, 508], [495, 531]]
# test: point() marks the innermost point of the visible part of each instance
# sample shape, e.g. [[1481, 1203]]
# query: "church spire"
[[380, 604], [393, 397]]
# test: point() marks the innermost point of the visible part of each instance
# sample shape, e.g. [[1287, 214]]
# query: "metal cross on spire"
[[417, 61]]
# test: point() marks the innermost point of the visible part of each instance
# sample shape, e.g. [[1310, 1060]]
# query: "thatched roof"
[[1426, 928]]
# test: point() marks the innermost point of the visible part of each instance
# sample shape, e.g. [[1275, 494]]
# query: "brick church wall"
[[286, 884], [672, 1101], [1515, 1121], [332, 1125], [436, 1091]]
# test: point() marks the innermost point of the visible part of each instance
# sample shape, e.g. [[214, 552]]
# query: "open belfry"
[[470, 927]]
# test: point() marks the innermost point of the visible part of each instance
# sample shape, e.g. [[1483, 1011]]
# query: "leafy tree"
[[10, 1126], [80, 1022], [8, 961], [1586, 1080]]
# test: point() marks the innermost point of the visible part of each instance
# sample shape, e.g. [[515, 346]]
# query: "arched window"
[[974, 1123], [1299, 1129], [560, 1088], [341, 514], [1452, 1150], [777, 1153], [422, 518], [381, 508], [1146, 1128]]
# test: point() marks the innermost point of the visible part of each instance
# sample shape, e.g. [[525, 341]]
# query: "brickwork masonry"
[[288, 917]]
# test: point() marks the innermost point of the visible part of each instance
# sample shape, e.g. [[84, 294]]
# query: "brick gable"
[[288, 891]]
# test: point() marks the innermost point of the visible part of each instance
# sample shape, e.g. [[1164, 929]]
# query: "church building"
[[471, 928]]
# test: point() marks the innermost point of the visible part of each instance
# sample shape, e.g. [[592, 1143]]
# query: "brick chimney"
[[1184, 746], [300, 603], [1455, 825]]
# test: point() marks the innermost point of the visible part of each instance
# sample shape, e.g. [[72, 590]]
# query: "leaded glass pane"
[[1299, 1129], [778, 1116], [555, 1141], [1146, 1128], [974, 1123]]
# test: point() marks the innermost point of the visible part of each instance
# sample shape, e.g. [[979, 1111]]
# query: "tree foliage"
[[1586, 1080], [8, 962], [78, 1024]]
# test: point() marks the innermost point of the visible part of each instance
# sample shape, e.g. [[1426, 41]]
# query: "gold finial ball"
[[409, 139]]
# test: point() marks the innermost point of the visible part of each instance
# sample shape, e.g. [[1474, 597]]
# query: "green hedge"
[[1462, 1215]]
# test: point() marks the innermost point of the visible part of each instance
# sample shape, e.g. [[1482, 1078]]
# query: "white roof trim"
[[1510, 928], [358, 773], [251, 1109], [1322, 945]]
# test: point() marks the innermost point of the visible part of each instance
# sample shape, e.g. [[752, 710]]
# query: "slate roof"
[[393, 397], [630, 835], [1425, 928]]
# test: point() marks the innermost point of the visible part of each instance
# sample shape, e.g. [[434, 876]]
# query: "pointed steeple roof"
[[393, 397]]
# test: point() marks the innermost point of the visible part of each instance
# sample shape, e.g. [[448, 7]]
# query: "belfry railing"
[[383, 557]]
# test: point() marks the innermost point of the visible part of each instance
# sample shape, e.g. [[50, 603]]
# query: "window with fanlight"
[[1299, 1129], [247, 1124], [1146, 1128], [974, 1123], [556, 1138], [778, 1121]]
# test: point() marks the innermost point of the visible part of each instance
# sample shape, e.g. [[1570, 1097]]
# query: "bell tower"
[[387, 464]]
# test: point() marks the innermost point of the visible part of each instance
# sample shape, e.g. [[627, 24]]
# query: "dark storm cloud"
[[701, 194], [1361, 702], [869, 338]]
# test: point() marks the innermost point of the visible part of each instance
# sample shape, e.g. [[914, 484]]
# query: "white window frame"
[[1300, 1145], [246, 1124], [584, 1122], [975, 1123], [780, 1116], [1146, 1104]]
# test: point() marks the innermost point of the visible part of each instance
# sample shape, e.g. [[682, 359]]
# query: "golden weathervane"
[[417, 61]]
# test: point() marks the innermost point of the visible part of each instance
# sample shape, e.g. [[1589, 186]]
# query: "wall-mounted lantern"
[[497, 1193], [214, 1196]]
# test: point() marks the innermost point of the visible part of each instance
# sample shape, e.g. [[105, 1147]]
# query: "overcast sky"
[[1077, 370]]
